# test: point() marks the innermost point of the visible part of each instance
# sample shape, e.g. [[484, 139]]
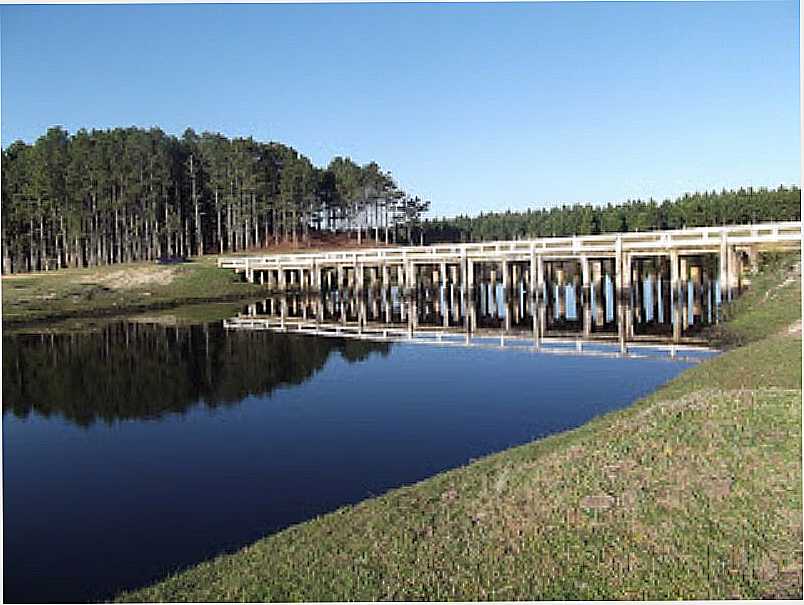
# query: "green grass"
[[692, 493], [114, 289], [772, 302]]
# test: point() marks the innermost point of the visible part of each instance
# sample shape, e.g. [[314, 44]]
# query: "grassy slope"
[[694, 492], [103, 290]]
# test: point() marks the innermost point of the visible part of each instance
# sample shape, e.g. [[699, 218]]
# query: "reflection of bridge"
[[674, 279], [483, 339]]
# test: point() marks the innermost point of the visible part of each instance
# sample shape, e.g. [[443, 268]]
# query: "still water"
[[133, 450]]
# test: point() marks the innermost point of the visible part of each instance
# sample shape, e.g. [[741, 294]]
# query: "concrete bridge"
[[612, 281]]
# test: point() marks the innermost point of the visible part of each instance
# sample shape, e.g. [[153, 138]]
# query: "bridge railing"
[[695, 238]]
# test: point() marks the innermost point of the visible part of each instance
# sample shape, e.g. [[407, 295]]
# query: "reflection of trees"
[[134, 371]]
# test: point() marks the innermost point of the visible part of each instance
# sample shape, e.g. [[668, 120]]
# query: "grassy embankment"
[[693, 492], [117, 289]]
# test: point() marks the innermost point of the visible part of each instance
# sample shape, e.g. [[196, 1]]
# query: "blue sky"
[[474, 106]]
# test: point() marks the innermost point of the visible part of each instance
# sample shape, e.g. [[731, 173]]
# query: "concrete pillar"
[[386, 278], [586, 296], [655, 288], [597, 291], [410, 275], [442, 273], [706, 292], [619, 295], [666, 285], [466, 297], [400, 276], [453, 303], [696, 275], [638, 291], [627, 296], [685, 306], [375, 307], [577, 292], [361, 314], [506, 281], [445, 311], [540, 297], [724, 267], [282, 279], [562, 291], [675, 285], [472, 315]]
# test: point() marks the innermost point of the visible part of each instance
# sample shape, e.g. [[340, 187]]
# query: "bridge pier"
[[627, 297], [618, 293], [586, 296], [675, 281], [637, 293]]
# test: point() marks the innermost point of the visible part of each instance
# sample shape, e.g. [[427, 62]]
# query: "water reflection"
[[107, 487], [134, 370]]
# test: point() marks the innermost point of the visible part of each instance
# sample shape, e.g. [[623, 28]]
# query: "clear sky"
[[473, 106]]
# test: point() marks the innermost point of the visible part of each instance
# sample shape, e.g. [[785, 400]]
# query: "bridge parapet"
[[686, 241]]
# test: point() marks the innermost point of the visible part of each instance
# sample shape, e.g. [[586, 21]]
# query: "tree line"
[[130, 194], [741, 206]]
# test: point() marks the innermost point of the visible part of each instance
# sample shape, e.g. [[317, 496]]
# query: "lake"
[[134, 449]]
